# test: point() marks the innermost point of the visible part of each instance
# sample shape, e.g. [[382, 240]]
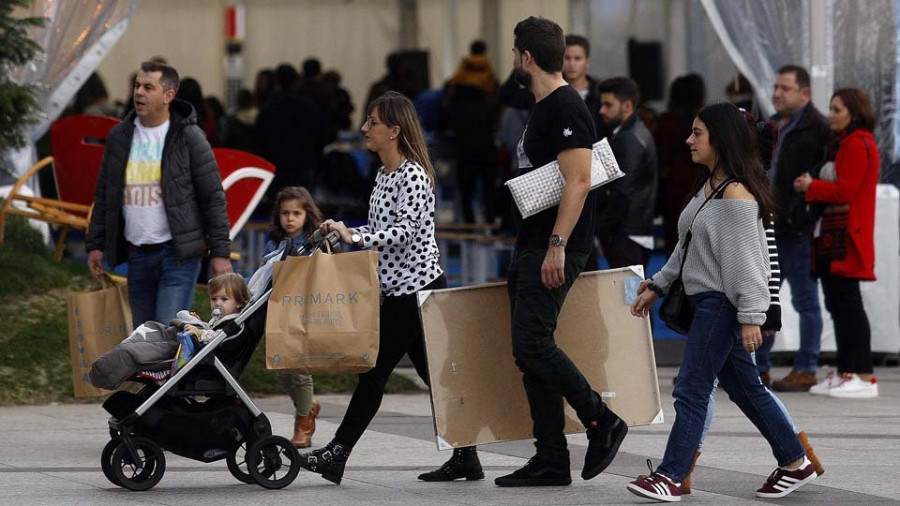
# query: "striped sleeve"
[[773, 315]]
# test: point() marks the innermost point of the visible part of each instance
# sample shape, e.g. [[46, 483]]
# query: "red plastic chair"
[[245, 178], [77, 143]]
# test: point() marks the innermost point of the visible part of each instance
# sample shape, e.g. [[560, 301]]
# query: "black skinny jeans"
[[548, 374], [400, 333], [851, 326]]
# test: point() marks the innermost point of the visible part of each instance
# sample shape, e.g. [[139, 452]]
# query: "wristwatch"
[[653, 287], [356, 239], [556, 240]]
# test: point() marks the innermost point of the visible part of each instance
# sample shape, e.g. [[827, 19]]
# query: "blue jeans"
[[711, 412], [794, 260], [160, 285], [713, 349]]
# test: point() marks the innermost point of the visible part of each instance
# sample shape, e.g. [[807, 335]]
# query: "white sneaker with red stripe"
[[784, 481], [854, 387], [656, 487]]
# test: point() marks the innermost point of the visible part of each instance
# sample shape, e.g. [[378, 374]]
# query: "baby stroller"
[[202, 412]]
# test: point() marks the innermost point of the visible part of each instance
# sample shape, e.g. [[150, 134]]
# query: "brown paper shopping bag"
[[323, 314], [98, 320]]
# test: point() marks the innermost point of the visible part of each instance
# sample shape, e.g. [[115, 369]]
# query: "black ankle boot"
[[463, 464], [328, 461]]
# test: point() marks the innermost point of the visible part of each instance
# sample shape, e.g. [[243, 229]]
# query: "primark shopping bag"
[[98, 320], [323, 314]]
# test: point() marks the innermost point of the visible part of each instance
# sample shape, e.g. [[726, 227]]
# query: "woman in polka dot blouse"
[[401, 228]]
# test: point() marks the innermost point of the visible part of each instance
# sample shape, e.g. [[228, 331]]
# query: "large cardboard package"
[[476, 388]]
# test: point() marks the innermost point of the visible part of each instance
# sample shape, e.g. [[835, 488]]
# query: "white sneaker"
[[832, 380], [855, 388]]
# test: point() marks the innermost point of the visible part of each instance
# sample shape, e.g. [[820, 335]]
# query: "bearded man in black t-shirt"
[[551, 250]]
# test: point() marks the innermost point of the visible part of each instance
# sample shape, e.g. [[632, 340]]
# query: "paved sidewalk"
[[50, 455]]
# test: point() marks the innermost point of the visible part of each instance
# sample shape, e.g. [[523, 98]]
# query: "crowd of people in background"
[[791, 197], [474, 124]]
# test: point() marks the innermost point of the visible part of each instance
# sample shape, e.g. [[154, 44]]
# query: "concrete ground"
[[50, 455]]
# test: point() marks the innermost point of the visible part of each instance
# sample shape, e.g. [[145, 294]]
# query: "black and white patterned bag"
[[542, 188]]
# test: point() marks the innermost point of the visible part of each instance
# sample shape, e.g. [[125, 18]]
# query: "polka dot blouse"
[[401, 228]]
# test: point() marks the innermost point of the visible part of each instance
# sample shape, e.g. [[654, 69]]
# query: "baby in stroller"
[[149, 351], [202, 412]]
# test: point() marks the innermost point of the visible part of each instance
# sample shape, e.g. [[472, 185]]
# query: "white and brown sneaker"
[[656, 487], [784, 481]]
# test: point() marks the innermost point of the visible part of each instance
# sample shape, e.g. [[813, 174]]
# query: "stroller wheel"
[[106, 462], [273, 462], [143, 473], [237, 464]]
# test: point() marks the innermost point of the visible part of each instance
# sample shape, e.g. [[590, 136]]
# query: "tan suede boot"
[[686, 482], [810, 454], [305, 426]]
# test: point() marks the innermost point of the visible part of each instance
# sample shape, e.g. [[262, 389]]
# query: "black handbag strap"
[[687, 237]]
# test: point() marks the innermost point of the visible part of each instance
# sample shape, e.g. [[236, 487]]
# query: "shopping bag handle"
[[104, 279]]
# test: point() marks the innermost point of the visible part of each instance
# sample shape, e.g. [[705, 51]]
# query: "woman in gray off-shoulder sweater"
[[726, 275]]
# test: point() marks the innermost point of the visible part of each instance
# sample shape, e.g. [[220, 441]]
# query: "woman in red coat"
[[844, 245]]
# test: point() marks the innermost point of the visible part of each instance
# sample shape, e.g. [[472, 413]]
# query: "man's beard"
[[523, 78], [613, 122]]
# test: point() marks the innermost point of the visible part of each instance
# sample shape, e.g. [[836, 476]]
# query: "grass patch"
[[35, 367]]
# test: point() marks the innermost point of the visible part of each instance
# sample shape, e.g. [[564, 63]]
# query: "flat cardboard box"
[[476, 388]]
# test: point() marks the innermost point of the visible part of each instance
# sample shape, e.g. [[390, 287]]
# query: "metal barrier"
[[470, 253], [475, 248]]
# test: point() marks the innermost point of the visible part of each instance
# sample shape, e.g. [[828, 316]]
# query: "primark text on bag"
[[323, 314]]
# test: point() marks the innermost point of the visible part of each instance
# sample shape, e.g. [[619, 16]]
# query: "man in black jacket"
[[159, 202], [803, 138], [625, 218]]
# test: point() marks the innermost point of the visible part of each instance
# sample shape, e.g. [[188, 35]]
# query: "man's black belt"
[[149, 248]]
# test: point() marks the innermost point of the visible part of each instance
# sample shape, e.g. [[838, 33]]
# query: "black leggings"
[[400, 333], [851, 326]]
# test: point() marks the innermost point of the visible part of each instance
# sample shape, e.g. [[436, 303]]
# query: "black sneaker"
[[605, 435], [463, 464], [536, 473], [328, 461]]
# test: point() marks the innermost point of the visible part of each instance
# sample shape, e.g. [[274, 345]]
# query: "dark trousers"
[[548, 374], [620, 251], [851, 326], [470, 170], [400, 333], [794, 261]]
